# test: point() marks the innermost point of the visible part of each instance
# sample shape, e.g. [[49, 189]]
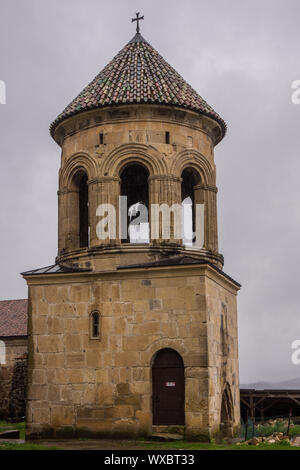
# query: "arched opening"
[[80, 209], [227, 413], [84, 211], [135, 220], [168, 388], [190, 197]]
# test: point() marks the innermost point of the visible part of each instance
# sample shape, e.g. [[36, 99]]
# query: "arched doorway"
[[168, 388]]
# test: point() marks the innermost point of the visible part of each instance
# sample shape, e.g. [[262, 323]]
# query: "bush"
[[268, 428]]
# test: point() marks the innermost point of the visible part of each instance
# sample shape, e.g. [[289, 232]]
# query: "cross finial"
[[137, 19]]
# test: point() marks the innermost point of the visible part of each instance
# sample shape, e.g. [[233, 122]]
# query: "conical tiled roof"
[[138, 74]]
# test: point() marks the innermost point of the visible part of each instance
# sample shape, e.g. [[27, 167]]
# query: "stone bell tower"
[[128, 334]]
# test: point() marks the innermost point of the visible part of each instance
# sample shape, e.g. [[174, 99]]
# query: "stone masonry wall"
[[223, 350], [79, 385]]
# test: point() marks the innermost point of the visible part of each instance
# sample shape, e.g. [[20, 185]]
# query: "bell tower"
[[134, 328]]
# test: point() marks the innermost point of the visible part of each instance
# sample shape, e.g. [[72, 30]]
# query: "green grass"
[[184, 445], [178, 445], [9, 446], [261, 430], [5, 426]]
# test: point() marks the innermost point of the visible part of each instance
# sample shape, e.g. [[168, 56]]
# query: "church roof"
[[13, 317], [56, 269], [138, 74]]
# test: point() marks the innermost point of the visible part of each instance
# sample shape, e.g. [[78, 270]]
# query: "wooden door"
[[168, 388]]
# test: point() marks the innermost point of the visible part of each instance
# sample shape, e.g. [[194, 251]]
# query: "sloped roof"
[[56, 269], [13, 317], [138, 74]]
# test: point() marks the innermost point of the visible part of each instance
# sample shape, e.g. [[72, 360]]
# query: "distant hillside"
[[293, 384]]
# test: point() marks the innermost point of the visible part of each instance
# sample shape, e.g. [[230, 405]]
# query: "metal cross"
[[137, 19]]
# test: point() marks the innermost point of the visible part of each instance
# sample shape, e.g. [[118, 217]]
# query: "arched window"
[[2, 353], [79, 210], [135, 223], [95, 325], [190, 196]]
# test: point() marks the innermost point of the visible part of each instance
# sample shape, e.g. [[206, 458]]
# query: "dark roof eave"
[[276, 391], [55, 269], [23, 335]]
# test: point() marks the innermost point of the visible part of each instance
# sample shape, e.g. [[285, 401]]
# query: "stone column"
[[105, 190], [61, 197], [207, 195], [68, 220], [164, 189]]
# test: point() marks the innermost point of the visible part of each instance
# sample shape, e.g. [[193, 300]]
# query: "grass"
[[262, 430], [184, 445], [5, 426], [9, 446], [178, 445]]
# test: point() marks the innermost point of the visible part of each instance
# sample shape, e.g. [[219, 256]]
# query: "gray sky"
[[242, 57]]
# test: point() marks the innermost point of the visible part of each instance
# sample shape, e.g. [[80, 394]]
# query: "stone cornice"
[[104, 179], [144, 113], [205, 270], [165, 178], [66, 191], [206, 187]]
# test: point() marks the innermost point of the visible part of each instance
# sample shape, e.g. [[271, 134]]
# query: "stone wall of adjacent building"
[[81, 386], [13, 378]]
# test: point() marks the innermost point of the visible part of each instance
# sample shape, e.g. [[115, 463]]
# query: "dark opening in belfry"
[[134, 185], [190, 179], [83, 211]]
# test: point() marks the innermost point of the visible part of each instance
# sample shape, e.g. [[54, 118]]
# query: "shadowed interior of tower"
[[134, 185], [190, 178]]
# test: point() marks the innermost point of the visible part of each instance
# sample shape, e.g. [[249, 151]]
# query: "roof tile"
[[138, 74], [13, 317]]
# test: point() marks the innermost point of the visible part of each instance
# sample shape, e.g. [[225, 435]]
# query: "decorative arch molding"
[[162, 349], [80, 161], [226, 406], [126, 154], [150, 353], [226, 387], [191, 158]]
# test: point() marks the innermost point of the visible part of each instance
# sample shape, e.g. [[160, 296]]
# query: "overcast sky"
[[241, 57]]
